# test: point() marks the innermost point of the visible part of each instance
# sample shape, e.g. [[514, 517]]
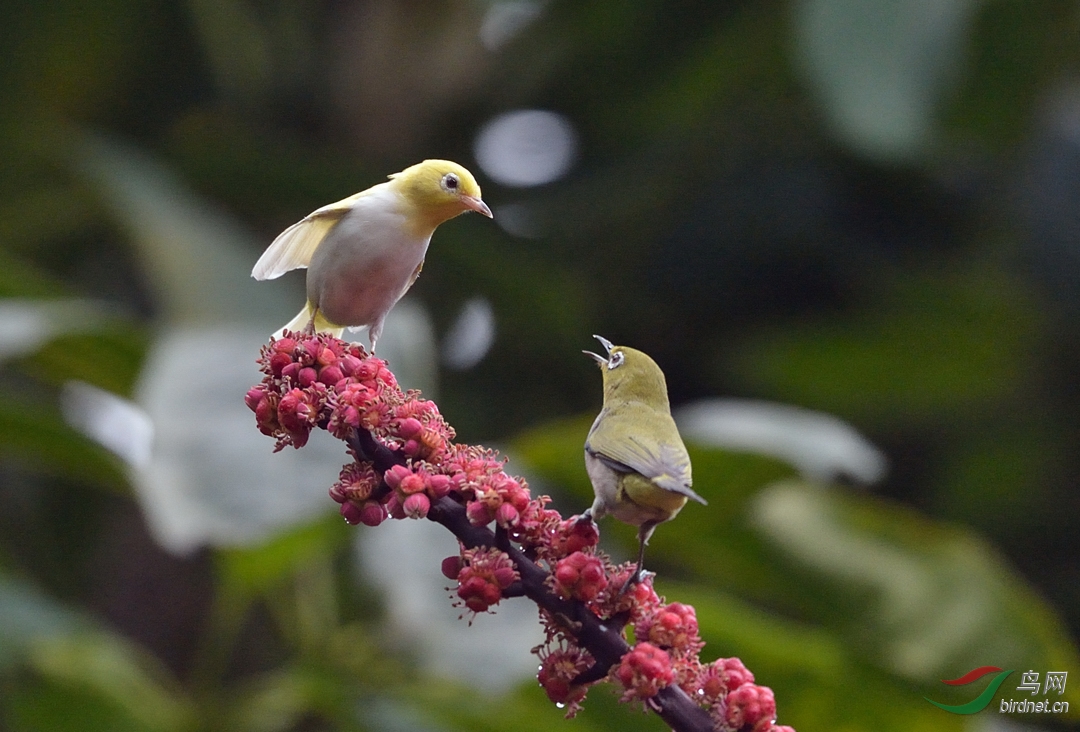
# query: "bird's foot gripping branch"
[[406, 465]]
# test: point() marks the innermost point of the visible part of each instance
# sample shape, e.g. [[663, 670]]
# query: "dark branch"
[[603, 641]]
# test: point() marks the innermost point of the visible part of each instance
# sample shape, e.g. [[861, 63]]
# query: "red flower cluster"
[[320, 381], [580, 577], [644, 671], [559, 666], [482, 575]]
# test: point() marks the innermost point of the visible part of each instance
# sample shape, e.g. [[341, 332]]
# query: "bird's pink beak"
[[475, 204]]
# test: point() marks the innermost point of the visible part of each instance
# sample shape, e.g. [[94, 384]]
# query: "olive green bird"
[[638, 465]]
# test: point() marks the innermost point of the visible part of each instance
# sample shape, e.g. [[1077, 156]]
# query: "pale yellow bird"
[[365, 251]]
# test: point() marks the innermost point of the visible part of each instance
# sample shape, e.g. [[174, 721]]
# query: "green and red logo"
[[980, 702]]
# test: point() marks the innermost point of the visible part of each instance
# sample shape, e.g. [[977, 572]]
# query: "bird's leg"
[[309, 329], [374, 331], [643, 540], [586, 517]]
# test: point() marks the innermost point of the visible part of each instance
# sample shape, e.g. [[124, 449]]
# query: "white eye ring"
[[616, 360], [450, 182]]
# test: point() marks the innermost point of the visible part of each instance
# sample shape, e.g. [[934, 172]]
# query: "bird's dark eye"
[[450, 182], [616, 360]]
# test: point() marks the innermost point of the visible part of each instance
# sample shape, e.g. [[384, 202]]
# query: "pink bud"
[[565, 574], [366, 370], [290, 371], [410, 428], [327, 357], [373, 513], [351, 512], [394, 475], [253, 397], [284, 345], [478, 513], [750, 706], [313, 347], [330, 375], [278, 362], [505, 576], [393, 507], [307, 376], [438, 485], [416, 506], [349, 364], [451, 567], [592, 573], [506, 515]]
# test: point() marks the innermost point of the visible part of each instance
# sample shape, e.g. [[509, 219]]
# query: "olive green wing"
[[667, 465], [293, 248]]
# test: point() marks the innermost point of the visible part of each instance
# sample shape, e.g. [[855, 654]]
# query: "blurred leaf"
[[450, 707], [934, 348], [19, 278], [35, 217], [879, 69], [110, 358], [258, 569], [276, 702], [923, 600], [42, 705], [29, 616], [1014, 51], [28, 323], [196, 256], [812, 670], [118, 672], [42, 439], [87, 671]]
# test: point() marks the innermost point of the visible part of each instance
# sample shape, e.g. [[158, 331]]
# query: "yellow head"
[[440, 190], [630, 374]]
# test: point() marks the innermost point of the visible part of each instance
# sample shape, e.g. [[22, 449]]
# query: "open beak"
[[475, 204], [602, 360]]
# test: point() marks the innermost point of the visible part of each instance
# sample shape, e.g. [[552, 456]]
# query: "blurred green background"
[[870, 210]]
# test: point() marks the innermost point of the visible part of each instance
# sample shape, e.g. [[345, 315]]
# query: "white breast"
[[366, 262]]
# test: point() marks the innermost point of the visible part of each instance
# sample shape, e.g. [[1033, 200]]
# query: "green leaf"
[[919, 599], [82, 670], [879, 69], [109, 358], [933, 348], [811, 669], [28, 616], [41, 439], [251, 570], [19, 278], [112, 669]]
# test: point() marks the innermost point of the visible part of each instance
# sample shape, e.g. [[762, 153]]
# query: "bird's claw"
[[639, 576]]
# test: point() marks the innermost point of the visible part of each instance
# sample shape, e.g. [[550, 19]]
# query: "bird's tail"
[[303, 320]]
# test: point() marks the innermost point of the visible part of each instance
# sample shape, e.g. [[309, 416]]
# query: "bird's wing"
[[668, 467], [293, 248]]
